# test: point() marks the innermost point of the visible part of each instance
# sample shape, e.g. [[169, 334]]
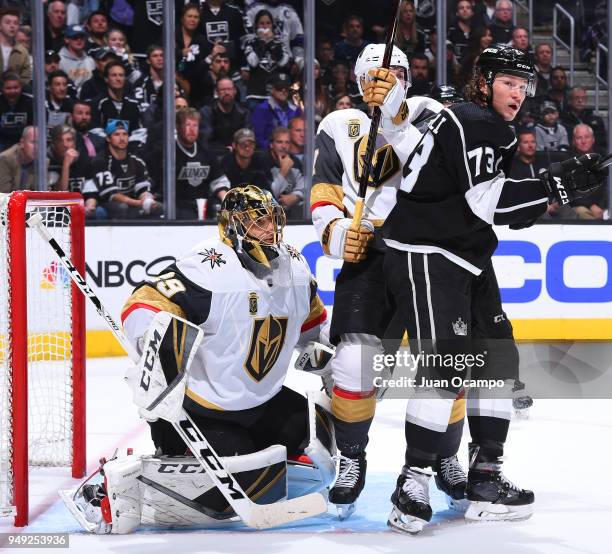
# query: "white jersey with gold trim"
[[250, 325]]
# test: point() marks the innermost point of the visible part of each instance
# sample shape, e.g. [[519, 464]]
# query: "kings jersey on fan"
[[251, 325], [339, 153]]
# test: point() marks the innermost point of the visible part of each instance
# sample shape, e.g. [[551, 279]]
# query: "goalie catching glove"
[[573, 178], [342, 240]]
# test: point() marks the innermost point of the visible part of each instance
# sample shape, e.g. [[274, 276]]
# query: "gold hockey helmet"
[[252, 221]]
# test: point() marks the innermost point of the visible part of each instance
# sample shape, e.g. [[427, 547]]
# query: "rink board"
[[556, 280]]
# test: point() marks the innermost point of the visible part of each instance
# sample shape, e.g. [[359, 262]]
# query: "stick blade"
[[265, 516]]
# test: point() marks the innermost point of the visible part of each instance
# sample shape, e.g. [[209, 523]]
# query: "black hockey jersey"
[[455, 187], [128, 176]]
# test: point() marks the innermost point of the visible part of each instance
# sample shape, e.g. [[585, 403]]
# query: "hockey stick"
[[604, 163], [259, 516], [371, 143]]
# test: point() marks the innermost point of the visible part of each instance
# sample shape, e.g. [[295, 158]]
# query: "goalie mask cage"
[[42, 340]]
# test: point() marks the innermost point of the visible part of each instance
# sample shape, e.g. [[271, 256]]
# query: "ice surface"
[[562, 452]]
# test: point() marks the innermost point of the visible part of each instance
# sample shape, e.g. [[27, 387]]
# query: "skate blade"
[[457, 505], [77, 512], [405, 523], [487, 511], [345, 510]]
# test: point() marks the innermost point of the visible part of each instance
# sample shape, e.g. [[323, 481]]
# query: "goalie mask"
[[251, 221], [371, 57], [510, 61]]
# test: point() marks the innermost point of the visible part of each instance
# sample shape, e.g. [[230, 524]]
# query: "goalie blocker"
[[176, 490]]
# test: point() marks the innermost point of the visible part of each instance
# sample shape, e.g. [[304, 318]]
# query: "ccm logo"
[[561, 189], [150, 354]]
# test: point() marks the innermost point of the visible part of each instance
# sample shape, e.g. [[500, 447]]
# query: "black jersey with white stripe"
[[455, 186]]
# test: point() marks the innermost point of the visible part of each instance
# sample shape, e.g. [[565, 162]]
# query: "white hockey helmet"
[[371, 57]]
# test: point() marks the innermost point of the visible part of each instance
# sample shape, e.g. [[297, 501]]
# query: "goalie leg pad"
[[159, 379]]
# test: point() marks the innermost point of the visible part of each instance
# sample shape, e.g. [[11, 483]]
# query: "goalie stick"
[[259, 516]]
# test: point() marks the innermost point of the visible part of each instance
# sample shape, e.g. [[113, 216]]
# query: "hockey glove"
[[384, 91], [342, 240], [573, 178]]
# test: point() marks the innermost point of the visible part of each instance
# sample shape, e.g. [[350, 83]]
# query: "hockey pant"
[[449, 311]]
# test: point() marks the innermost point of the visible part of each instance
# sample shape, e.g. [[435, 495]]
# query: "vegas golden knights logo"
[[267, 342], [385, 163], [253, 303], [354, 128]]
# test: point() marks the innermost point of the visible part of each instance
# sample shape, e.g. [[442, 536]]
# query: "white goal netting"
[[49, 346]]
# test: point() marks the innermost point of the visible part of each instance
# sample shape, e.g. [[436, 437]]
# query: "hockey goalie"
[[215, 333]]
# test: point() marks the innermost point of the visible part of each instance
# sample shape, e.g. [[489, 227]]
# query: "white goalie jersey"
[[250, 325], [339, 151]]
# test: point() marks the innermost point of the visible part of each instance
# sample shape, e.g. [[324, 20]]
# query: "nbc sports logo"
[[54, 275]]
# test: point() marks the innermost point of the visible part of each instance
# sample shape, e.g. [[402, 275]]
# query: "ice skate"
[[521, 401], [348, 485], [452, 480], [411, 509]]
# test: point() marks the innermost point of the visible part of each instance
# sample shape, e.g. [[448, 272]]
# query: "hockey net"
[[42, 385]]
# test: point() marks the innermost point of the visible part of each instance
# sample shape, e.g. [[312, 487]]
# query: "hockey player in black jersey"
[[438, 268]]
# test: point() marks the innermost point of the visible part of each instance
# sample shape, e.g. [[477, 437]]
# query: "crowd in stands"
[[239, 94]]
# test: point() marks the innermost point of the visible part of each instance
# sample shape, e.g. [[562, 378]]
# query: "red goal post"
[[42, 344]]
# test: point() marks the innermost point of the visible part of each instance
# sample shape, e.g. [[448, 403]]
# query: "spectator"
[[58, 103], [96, 85], [343, 102], [52, 60], [56, 25], [17, 163], [243, 165], [543, 67], [325, 56], [550, 134], [594, 205], [223, 30], [118, 42], [285, 173], [341, 82], [502, 25], [459, 34], [410, 37], [221, 120], [147, 87], [114, 104], [198, 175], [88, 144], [557, 91], [16, 110], [70, 171], [24, 37], [266, 55], [97, 29], [146, 27], [484, 13], [297, 137], [190, 43], [122, 178], [577, 112], [528, 164], [323, 103], [155, 131], [347, 50], [520, 39], [287, 20], [452, 65], [73, 59], [274, 112], [203, 83], [13, 57], [481, 38], [419, 75]]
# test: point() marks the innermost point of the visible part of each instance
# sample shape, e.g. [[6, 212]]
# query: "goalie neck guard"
[[251, 221]]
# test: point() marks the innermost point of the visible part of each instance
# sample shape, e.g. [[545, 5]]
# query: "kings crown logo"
[[460, 327]]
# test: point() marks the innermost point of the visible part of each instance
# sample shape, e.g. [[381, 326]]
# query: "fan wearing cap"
[[438, 269], [13, 56], [97, 30], [550, 134], [73, 58], [96, 85], [122, 178], [276, 111]]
